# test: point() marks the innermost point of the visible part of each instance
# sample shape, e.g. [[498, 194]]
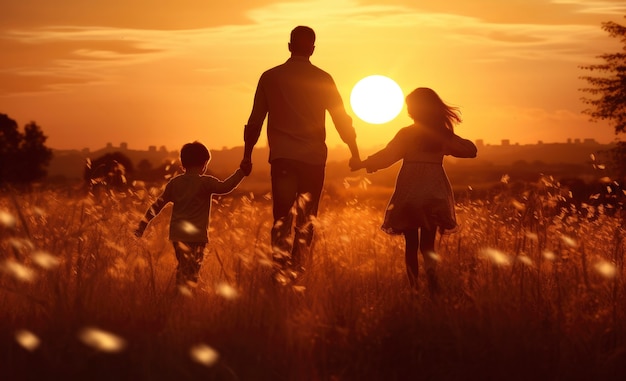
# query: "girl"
[[422, 200]]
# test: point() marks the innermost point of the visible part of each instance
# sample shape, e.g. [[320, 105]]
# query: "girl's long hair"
[[426, 108]]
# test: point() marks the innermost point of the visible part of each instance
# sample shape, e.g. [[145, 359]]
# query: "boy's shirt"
[[191, 195]]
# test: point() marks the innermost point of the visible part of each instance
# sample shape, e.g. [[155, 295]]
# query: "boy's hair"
[[194, 155]]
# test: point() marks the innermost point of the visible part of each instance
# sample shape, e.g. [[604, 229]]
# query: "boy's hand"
[[140, 229], [246, 166]]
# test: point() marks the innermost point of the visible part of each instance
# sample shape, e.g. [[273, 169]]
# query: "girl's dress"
[[423, 195]]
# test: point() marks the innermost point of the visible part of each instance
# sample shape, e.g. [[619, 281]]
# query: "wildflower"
[[101, 340], [569, 241], [39, 212], [112, 245], [303, 199], [436, 257], [44, 260], [185, 290], [7, 219], [21, 244], [226, 291], [549, 255], [497, 257], [27, 339], [518, 205], [525, 260], [204, 354], [532, 236], [364, 183], [19, 271], [188, 227], [606, 269]]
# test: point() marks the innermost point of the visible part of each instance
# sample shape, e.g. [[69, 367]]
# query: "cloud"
[[136, 14], [52, 58], [599, 7]]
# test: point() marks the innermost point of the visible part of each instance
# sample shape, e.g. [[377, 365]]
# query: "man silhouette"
[[296, 96]]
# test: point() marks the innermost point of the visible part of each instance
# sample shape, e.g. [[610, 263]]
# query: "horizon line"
[[478, 142]]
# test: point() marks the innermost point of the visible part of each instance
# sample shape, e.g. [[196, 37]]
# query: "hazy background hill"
[[570, 159]]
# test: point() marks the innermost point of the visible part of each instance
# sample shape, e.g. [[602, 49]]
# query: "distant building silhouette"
[[69, 164]]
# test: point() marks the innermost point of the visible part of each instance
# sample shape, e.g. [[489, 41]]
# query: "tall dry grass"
[[532, 289]]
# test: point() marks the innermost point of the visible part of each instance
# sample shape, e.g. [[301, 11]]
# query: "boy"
[[191, 194]]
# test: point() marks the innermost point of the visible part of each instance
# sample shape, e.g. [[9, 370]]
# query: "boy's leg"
[[411, 245], [190, 256]]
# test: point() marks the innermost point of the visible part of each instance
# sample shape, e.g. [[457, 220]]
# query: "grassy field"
[[532, 289]]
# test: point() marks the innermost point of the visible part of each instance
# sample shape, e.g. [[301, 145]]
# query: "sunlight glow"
[[376, 99]]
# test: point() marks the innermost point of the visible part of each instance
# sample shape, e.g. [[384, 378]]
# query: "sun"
[[376, 99]]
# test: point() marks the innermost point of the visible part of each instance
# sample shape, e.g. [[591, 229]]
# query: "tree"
[[609, 91], [23, 157], [110, 171]]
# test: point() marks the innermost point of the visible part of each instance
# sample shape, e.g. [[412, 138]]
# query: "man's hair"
[[194, 155], [302, 39]]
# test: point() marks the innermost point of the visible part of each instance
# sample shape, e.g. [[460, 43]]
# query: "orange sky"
[[146, 74]]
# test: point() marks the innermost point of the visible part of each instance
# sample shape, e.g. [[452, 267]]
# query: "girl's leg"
[[427, 248], [411, 242]]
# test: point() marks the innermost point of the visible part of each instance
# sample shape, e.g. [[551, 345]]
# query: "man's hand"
[[246, 166], [355, 163]]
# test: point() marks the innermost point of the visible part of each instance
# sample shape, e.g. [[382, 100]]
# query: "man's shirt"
[[296, 95]]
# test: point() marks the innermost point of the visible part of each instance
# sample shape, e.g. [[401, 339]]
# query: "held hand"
[[246, 166], [355, 164]]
